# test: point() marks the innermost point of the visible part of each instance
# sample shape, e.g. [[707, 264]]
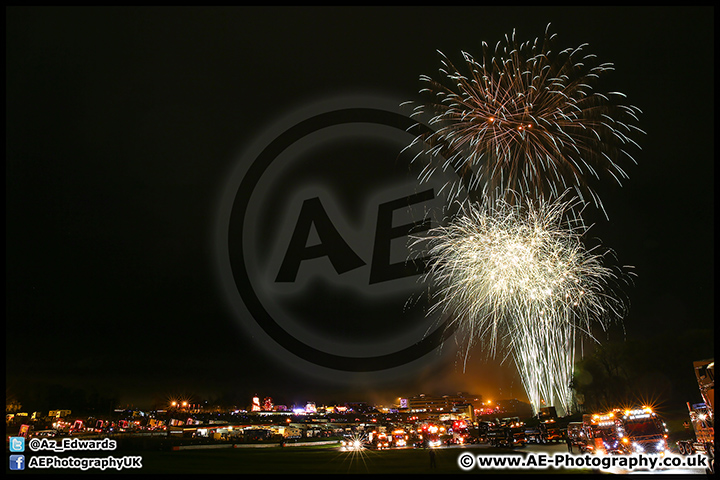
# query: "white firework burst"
[[524, 118], [517, 277]]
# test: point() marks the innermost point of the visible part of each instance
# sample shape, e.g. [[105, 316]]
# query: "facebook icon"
[[17, 462]]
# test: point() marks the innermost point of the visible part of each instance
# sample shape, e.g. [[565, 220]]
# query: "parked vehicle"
[[575, 433], [702, 415]]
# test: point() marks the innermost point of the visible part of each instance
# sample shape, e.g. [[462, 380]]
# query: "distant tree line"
[[657, 370], [81, 401]]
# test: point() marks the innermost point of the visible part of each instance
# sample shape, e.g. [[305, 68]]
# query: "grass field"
[[293, 461], [312, 460]]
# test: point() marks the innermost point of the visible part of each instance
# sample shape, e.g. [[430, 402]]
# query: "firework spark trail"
[[545, 363], [519, 278], [525, 118]]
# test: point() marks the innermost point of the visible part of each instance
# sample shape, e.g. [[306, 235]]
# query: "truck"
[[553, 432], [547, 413], [641, 430], [545, 427], [508, 432], [599, 434], [574, 433], [702, 415], [536, 434], [430, 435], [399, 438], [622, 432]]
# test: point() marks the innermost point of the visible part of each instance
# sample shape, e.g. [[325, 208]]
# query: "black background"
[[123, 124]]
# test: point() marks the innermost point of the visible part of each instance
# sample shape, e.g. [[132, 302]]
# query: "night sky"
[[125, 127]]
